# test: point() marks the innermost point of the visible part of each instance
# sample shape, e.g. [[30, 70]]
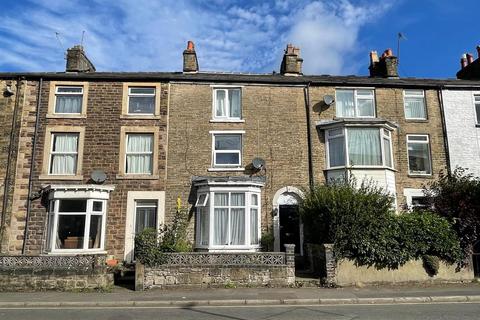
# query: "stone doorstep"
[[239, 302]]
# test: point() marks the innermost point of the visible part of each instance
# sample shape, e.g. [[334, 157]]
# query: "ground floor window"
[[76, 224], [228, 218]]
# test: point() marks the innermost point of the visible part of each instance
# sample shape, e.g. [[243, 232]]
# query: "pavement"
[[121, 297]]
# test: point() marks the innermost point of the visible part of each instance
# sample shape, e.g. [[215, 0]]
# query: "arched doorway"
[[287, 225]]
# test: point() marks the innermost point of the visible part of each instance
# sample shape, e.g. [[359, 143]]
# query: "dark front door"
[[289, 227]]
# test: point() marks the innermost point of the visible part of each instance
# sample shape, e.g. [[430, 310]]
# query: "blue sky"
[[335, 37]]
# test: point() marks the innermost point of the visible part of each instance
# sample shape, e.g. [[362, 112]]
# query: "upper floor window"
[[139, 153], [227, 104], [355, 103], [418, 146], [64, 154], [227, 150], [359, 146], [141, 100], [414, 103], [477, 108], [68, 99]]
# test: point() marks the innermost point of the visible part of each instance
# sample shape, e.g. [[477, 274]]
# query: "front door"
[[289, 227]]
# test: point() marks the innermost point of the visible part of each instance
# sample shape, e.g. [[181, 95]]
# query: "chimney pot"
[[190, 46], [469, 58]]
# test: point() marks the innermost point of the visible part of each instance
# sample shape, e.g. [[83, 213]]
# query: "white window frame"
[[151, 153], [248, 191], [228, 117], [411, 193], [355, 100], [476, 102], [214, 152], [407, 93], [53, 153], [53, 218], [344, 133], [68, 94], [130, 94], [427, 142]]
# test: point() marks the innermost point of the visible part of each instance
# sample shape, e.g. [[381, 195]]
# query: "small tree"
[[456, 196]]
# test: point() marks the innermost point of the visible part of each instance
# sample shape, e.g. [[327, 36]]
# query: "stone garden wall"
[[201, 269], [38, 273]]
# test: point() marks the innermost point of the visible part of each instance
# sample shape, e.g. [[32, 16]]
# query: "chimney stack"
[[470, 68], [190, 62], [385, 67], [77, 61], [291, 63]]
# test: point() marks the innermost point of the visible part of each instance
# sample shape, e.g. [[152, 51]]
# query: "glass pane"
[[220, 104], [141, 104], [365, 108], [364, 93], [139, 142], [142, 90], [221, 199], [419, 158], [238, 199], [72, 205], [414, 108], [69, 89], [68, 104], [97, 206], [63, 164], [201, 199], [412, 92], [204, 226], [220, 227], [336, 151], [234, 97], [477, 109], [237, 227], [345, 104], [388, 154], [364, 146], [228, 142], [335, 132], [420, 202], [50, 239], [254, 199], [139, 164], [253, 226], [65, 142], [227, 158], [417, 138], [146, 217], [70, 231], [95, 235]]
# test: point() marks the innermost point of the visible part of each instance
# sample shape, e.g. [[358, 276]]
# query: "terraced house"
[[90, 158]]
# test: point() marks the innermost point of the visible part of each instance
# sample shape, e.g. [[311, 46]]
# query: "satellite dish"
[[258, 163], [98, 176], [328, 99]]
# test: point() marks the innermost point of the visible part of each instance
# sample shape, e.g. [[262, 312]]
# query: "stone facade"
[[463, 131]]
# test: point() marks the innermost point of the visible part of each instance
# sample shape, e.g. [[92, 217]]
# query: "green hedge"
[[360, 222]]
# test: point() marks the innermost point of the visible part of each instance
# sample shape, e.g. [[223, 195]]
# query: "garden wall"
[[345, 273], [38, 273], [202, 269]]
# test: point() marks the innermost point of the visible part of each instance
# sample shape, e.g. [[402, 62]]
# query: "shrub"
[[456, 196], [362, 226], [431, 265], [267, 240], [147, 249]]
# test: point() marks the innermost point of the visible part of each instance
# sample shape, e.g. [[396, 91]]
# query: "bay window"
[[228, 218], [359, 146], [419, 162], [414, 103], [227, 104], [355, 103]]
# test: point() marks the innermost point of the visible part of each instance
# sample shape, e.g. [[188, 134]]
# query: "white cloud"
[[148, 35]]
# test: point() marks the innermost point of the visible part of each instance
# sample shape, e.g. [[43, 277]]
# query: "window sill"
[[253, 248], [139, 117], [59, 177], [66, 116], [76, 252], [225, 169], [227, 121], [424, 176], [361, 168], [416, 120], [137, 177]]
